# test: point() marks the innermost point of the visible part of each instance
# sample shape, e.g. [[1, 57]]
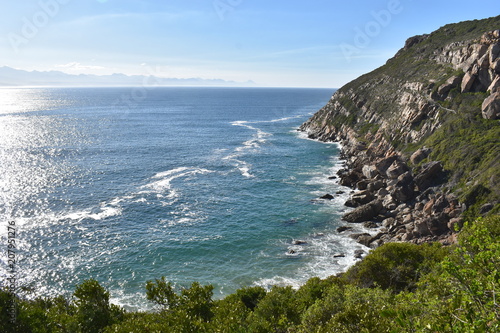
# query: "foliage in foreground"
[[399, 287]]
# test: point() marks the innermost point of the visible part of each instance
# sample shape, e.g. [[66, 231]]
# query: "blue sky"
[[306, 43]]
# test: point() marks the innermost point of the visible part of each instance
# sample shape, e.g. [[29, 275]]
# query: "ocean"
[[125, 185]]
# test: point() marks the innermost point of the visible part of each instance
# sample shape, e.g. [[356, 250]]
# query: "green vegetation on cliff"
[[398, 287], [430, 94]]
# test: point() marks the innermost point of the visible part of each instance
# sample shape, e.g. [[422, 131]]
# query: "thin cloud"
[[76, 66]]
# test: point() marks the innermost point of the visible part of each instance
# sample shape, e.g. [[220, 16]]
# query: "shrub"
[[395, 266], [94, 311]]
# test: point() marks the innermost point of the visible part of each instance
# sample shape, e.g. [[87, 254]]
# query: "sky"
[[279, 43]]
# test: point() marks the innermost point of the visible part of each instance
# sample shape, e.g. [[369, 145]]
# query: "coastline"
[[385, 196]]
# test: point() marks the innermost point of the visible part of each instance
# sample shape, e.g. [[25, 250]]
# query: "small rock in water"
[[299, 242], [343, 228], [358, 254], [370, 224], [327, 197], [339, 255]]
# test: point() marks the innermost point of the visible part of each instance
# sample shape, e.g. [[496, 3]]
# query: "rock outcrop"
[[380, 115]]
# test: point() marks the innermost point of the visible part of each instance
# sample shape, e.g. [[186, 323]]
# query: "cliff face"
[[420, 134]]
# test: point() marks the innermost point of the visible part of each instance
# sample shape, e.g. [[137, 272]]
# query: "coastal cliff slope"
[[421, 135]]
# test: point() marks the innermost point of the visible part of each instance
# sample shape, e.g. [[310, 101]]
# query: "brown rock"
[[364, 213], [343, 228], [451, 83], [383, 164], [396, 169], [467, 82], [493, 52], [495, 85], [495, 66], [362, 184], [491, 106], [404, 188], [430, 174], [428, 207], [420, 155], [363, 238], [375, 186], [421, 228], [369, 171]]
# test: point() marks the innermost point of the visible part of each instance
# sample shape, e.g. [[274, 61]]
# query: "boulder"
[[421, 228], [327, 197], [382, 192], [483, 80], [396, 169], [428, 207], [437, 225], [451, 83], [484, 61], [375, 186], [467, 82], [363, 238], [369, 171], [389, 222], [358, 254], [383, 164], [439, 204], [389, 203], [364, 213], [343, 228], [419, 155], [362, 184], [495, 85], [404, 188], [495, 66], [360, 198], [493, 52], [430, 174], [370, 225], [491, 106], [349, 179]]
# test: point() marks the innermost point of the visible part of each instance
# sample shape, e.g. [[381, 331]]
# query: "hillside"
[[421, 135]]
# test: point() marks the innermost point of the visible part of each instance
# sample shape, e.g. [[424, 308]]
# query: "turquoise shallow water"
[[195, 184]]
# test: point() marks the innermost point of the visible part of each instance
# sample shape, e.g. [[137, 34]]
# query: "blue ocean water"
[[125, 185]]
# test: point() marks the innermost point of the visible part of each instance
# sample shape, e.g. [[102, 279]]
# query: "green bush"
[[94, 310], [395, 266]]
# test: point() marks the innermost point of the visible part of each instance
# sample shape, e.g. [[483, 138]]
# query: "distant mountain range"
[[15, 77]]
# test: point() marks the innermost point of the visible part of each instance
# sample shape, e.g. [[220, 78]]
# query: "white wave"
[[242, 166], [253, 144], [105, 212], [319, 253], [166, 177], [167, 173]]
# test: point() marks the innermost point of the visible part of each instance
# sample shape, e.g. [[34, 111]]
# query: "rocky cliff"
[[421, 135]]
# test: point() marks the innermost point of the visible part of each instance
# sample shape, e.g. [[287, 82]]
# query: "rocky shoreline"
[[406, 193], [401, 205]]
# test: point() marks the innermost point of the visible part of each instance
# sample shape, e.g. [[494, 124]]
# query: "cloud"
[[76, 66]]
